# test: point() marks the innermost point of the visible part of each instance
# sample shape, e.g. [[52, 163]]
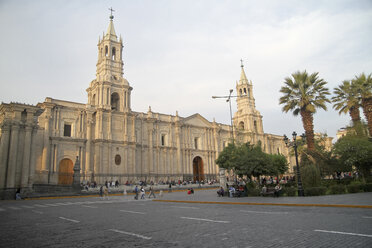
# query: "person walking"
[[151, 193], [142, 193], [136, 192], [101, 192], [106, 193]]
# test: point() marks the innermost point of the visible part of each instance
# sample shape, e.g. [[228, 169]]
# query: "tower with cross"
[[110, 90], [247, 118]]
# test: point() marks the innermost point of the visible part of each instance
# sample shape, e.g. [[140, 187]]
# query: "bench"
[[269, 191]]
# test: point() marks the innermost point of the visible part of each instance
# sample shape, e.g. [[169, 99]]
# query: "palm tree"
[[304, 94], [346, 100], [364, 88]]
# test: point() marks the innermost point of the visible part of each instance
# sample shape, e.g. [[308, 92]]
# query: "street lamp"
[[294, 144], [228, 99]]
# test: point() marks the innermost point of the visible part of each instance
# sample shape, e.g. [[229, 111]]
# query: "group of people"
[[143, 192]]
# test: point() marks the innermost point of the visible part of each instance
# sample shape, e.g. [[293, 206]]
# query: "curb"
[[273, 204]]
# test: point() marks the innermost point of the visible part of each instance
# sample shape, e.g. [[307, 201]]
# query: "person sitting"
[[278, 188], [221, 192], [264, 190], [231, 191]]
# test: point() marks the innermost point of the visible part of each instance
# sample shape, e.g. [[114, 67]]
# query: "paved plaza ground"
[[180, 220]]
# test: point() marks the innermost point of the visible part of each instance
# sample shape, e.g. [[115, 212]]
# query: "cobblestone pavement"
[[121, 221]]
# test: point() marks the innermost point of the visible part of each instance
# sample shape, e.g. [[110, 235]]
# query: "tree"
[[346, 100], [303, 94], [363, 84], [356, 151], [249, 160]]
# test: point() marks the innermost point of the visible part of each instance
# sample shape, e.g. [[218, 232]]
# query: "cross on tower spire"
[[111, 16], [241, 63]]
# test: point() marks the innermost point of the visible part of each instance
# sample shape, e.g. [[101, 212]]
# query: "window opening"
[[115, 101], [67, 130], [113, 55]]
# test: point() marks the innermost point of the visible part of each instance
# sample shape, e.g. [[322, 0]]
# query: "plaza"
[[181, 220]]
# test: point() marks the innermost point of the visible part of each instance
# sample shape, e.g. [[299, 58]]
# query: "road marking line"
[[217, 221], [75, 221], [354, 234], [14, 208], [88, 206], [132, 234], [184, 207], [133, 212], [61, 204], [260, 212], [42, 206], [51, 205], [38, 212], [367, 217], [24, 206]]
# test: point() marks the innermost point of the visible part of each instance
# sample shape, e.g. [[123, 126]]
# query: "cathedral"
[[39, 144]]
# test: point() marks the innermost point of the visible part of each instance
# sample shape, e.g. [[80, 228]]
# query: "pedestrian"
[[136, 192], [160, 193], [101, 192], [170, 188], [18, 194], [151, 193], [142, 193], [106, 193]]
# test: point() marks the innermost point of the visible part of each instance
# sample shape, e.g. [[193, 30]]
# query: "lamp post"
[[228, 99], [294, 144]]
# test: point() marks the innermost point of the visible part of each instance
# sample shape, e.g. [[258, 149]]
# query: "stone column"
[[4, 148], [12, 163], [44, 162], [88, 166], [26, 156]]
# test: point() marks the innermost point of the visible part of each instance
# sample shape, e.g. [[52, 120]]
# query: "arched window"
[[255, 125], [93, 100], [115, 101], [241, 125], [245, 91], [106, 51], [113, 55]]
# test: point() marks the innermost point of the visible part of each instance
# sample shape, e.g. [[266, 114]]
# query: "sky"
[[178, 54]]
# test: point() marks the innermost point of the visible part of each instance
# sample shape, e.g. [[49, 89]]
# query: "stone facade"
[[39, 144]]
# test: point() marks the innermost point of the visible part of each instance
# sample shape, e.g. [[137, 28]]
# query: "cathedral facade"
[[39, 144]]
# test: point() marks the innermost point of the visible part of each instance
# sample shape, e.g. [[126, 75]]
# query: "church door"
[[198, 169], [66, 172]]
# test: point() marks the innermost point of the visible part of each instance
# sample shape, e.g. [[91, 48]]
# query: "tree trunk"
[[355, 117], [367, 110], [307, 122]]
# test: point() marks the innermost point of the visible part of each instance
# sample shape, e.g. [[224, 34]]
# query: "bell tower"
[[110, 90], [247, 118]]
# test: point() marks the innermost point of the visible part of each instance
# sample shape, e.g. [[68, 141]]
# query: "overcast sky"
[[177, 54]]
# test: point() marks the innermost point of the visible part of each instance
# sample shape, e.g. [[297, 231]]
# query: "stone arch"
[[113, 53], [241, 125], [198, 168], [115, 101], [65, 171]]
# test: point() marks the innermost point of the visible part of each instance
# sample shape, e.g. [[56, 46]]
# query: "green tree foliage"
[[363, 84], [346, 100], [249, 160], [303, 94], [353, 150]]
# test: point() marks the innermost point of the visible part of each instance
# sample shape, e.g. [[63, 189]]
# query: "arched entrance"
[[198, 169], [65, 172]]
